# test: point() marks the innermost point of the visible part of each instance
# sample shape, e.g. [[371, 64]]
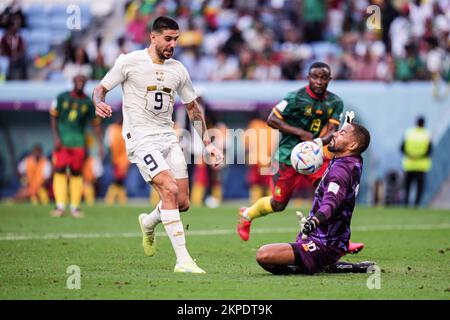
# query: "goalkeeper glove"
[[301, 220], [310, 225]]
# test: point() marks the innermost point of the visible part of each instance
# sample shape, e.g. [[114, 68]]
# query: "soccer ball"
[[307, 157]]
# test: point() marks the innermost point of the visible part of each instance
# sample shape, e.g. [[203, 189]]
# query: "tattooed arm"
[[98, 97], [197, 118]]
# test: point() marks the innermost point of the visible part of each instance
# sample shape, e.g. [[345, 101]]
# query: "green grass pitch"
[[412, 248]]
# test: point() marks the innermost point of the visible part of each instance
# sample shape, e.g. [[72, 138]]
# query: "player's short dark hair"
[[318, 64], [164, 23], [362, 136]]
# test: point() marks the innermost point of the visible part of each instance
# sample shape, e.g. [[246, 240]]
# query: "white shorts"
[[157, 154]]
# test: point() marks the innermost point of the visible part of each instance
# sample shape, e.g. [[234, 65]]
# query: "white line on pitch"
[[52, 236]]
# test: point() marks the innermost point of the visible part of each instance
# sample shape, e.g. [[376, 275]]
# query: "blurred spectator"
[[35, 170], [410, 67], [137, 30], [416, 148], [400, 32], [260, 155], [224, 68], [314, 16], [194, 60], [99, 68], [12, 12], [283, 37], [12, 47], [119, 159], [247, 64], [78, 65], [92, 171]]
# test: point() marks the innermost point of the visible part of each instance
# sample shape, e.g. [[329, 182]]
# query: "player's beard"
[[320, 91], [332, 146], [161, 54]]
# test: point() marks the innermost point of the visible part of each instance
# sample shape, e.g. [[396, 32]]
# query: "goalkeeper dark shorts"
[[311, 256]]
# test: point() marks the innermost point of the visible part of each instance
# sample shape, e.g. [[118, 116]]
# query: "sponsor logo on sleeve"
[[333, 187], [281, 105]]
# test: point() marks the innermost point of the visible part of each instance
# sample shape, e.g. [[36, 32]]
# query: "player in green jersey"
[[70, 114], [302, 115]]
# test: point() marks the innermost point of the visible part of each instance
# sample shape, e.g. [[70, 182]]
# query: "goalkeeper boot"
[[243, 227], [190, 267], [347, 267], [355, 247], [148, 238]]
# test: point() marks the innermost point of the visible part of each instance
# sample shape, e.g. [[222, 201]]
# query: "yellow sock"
[[256, 192], [260, 208], [34, 200], [76, 191], [198, 193], [60, 189], [43, 196], [89, 194], [154, 197], [122, 195], [217, 192], [111, 194]]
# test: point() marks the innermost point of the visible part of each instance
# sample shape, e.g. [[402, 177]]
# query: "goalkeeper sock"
[[260, 208], [60, 190], [152, 219], [174, 228], [76, 191]]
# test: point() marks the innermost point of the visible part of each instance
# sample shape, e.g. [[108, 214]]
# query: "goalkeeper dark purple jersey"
[[335, 198]]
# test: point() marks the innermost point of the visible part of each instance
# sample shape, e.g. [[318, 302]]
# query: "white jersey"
[[148, 93]]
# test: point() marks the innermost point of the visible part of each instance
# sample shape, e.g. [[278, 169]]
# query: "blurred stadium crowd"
[[232, 40]]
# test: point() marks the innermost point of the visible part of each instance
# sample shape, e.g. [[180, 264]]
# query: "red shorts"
[[254, 176], [69, 157], [287, 179], [120, 172]]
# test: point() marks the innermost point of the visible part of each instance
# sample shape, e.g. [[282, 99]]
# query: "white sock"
[[245, 215], [174, 229], [152, 219]]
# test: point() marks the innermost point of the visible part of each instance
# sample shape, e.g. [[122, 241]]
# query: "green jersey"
[[305, 110], [73, 112]]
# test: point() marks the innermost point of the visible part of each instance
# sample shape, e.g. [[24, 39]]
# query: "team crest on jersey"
[[74, 106], [308, 111], [84, 108], [159, 75], [277, 191], [330, 112]]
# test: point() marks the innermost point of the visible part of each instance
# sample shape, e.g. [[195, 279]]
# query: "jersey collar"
[[315, 96], [74, 94]]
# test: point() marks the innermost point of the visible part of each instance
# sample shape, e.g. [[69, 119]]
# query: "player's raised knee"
[[264, 255], [278, 206], [183, 205]]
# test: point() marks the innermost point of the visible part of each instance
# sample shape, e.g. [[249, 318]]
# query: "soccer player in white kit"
[[150, 79]]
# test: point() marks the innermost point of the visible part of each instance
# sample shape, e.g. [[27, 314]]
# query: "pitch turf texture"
[[411, 247]]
